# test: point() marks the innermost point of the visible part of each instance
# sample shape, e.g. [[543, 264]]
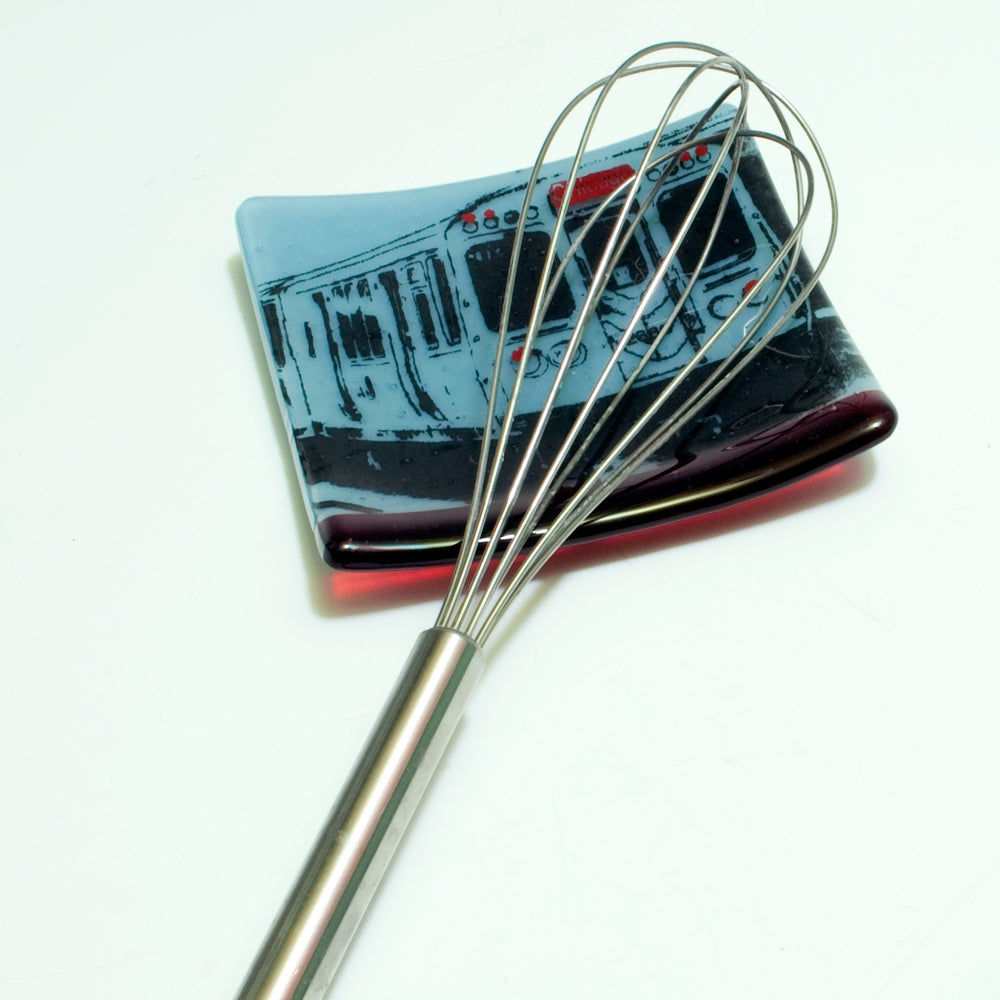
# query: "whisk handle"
[[308, 939]]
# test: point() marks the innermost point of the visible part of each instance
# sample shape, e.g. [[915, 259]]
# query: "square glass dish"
[[380, 314]]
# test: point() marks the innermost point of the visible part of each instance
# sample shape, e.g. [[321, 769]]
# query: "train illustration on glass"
[[382, 357]]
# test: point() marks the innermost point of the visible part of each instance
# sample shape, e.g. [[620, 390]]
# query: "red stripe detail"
[[599, 184]]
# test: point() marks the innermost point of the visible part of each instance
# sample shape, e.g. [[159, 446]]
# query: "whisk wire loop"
[[455, 609], [506, 542], [488, 468], [570, 452], [599, 485]]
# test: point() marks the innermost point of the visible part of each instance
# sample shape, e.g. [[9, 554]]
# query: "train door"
[[370, 321], [413, 331]]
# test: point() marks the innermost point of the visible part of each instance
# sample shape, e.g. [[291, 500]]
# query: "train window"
[[348, 337], [360, 332], [273, 323], [374, 332], [426, 321], [391, 285], [488, 264], [733, 242], [361, 335], [632, 266], [452, 330]]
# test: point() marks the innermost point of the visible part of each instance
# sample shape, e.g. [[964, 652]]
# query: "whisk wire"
[[492, 454], [481, 591], [571, 453], [599, 485], [589, 495], [456, 610]]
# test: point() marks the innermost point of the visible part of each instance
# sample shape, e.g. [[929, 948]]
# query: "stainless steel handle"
[[308, 939]]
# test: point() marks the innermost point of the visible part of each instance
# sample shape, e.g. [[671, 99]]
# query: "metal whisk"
[[552, 453]]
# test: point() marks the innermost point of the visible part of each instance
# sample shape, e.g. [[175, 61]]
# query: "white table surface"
[[756, 760]]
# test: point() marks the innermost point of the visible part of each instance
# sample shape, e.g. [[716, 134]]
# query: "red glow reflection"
[[363, 590]]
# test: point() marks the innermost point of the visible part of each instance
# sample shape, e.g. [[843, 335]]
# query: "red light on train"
[[489, 214], [599, 184], [469, 217]]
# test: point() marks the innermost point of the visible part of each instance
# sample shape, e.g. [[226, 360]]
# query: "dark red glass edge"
[[798, 449]]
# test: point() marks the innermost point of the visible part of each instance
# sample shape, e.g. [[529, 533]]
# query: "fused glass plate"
[[379, 314]]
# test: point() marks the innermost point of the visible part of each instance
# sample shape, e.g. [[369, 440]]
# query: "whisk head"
[[664, 329]]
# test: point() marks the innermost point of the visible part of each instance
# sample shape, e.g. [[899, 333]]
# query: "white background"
[[757, 759]]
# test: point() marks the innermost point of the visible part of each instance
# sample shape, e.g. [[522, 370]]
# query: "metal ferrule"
[[308, 939]]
